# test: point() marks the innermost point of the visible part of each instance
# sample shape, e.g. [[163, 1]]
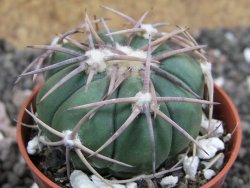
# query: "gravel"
[[228, 50]]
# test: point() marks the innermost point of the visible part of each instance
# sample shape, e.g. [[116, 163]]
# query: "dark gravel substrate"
[[225, 50]]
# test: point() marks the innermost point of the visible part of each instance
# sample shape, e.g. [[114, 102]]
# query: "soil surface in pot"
[[228, 49]]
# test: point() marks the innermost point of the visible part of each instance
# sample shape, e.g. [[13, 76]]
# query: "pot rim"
[[219, 177]]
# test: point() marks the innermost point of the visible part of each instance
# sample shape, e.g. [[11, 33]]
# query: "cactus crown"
[[122, 72]]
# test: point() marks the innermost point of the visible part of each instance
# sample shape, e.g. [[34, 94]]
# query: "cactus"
[[125, 101]]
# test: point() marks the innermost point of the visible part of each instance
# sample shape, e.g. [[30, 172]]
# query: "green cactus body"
[[133, 145]]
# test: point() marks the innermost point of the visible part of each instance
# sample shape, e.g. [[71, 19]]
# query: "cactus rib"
[[125, 125], [174, 79]]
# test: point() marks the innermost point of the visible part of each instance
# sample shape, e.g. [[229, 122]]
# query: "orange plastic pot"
[[226, 112]]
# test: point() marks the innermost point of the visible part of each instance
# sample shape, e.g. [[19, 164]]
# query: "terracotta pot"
[[226, 112]]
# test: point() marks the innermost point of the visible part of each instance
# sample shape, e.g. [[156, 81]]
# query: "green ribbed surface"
[[133, 146]]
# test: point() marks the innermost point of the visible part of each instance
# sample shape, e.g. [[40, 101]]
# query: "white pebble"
[[248, 83], [216, 126], [5, 124], [21, 159], [169, 181], [230, 37], [1, 136], [216, 52], [20, 96], [118, 186], [2, 110], [227, 138], [4, 119], [131, 185], [208, 173], [100, 184], [246, 54], [34, 185], [219, 81], [211, 146], [78, 179], [190, 166], [33, 145]]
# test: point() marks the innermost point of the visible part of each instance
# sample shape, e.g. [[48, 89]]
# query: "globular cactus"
[[125, 101]]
